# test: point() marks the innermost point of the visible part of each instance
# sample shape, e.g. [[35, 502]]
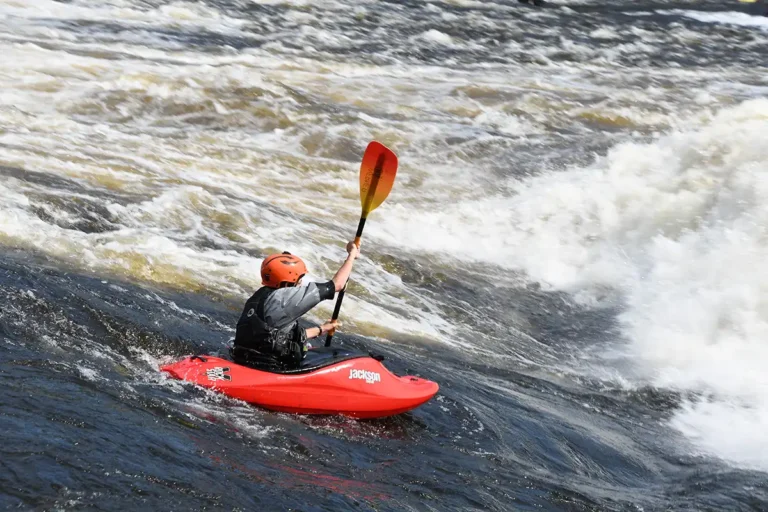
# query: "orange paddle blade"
[[377, 175]]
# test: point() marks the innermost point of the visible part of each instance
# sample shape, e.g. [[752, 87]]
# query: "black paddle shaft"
[[375, 176]]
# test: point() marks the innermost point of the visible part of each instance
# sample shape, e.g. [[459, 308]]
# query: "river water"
[[574, 249]]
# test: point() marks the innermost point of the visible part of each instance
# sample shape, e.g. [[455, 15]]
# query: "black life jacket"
[[257, 344]]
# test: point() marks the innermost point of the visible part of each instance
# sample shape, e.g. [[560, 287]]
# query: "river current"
[[575, 249]]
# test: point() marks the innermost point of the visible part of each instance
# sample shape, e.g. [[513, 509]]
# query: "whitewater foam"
[[727, 18], [677, 229]]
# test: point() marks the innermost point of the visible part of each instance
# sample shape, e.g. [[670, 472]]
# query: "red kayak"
[[329, 381]]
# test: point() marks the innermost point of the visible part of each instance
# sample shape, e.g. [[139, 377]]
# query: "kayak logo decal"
[[368, 377], [218, 373]]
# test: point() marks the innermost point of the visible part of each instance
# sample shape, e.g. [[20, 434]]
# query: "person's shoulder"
[[281, 293], [290, 293]]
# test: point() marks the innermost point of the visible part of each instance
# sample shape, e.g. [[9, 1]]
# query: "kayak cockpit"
[[314, 359]]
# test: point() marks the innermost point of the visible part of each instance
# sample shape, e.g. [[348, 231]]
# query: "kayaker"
[[268, 333]]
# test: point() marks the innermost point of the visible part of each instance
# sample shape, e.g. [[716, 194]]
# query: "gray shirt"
[[285, 306]]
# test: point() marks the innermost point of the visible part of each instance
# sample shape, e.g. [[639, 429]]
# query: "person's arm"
[[339, 280], [314, 332], [341, 277], [286, 305]]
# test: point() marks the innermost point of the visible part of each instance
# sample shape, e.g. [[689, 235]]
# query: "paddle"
[[377, 175]]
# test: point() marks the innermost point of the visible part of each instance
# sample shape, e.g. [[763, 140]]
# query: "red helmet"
[[278, 270]]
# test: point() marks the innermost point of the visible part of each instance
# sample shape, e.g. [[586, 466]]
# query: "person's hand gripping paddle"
[[377, 175]]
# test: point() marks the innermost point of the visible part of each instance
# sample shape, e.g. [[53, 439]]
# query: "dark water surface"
[[88, 423]]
